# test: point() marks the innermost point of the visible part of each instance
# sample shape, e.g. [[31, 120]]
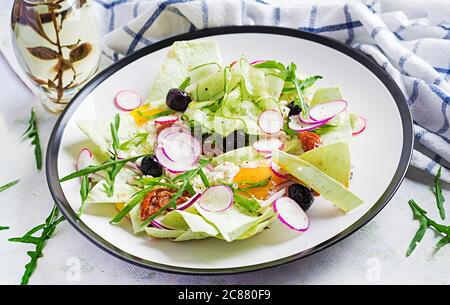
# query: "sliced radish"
[[285, 185], [85, 158], [271, 199], [181, 147], [291, 214], [171, 166], [233, 62], [257, 61], [267, 145], [216, 198], [167, 119], [188, 203], [326, 111], [157, 224], [127, 100], [164, 132], [270, 121], [278, 171], [309, 121], [359, 124], [295, 124]]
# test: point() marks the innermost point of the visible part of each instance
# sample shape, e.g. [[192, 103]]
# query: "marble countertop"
[[374, 254]]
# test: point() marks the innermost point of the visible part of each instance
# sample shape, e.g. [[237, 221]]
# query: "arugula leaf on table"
[[48, 229], [8, 185], [3, 228], [425, 222], [438, 193], [32, 133]]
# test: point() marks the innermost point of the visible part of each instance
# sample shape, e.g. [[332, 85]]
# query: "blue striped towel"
[[411, 42]]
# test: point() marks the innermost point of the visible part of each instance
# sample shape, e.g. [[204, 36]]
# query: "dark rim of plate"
[[70, 214]]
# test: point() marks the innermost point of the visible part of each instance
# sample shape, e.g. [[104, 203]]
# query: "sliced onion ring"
[[327, 111], [127, 100], [291, 214], [216, 198], [171, 166], [85, 158], [181, 147]]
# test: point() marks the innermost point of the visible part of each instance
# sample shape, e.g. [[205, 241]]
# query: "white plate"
[[380, 155]]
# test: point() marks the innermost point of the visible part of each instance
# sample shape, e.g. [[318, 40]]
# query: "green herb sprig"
[[8, 185], [135, 141], [32, 133], [84, 192], [438, 193], [3, 228], [154, 116], [251, 185], [425, 222], [48, 228]]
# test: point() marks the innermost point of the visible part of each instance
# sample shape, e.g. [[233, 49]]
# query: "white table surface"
[[374, 254]]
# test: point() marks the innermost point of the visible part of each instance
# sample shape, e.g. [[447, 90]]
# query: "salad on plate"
[[220, 151]]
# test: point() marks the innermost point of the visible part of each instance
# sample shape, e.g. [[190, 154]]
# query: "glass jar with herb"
[[57, 43]]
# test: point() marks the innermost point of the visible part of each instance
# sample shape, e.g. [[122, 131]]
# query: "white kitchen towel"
[[410, 39]]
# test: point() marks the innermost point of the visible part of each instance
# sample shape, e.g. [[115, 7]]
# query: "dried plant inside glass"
[[57, 44]]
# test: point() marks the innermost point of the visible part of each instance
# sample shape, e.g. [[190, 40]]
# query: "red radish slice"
[[127, 100], [267, 145], [295, 124], [168, 130], [173, 167], [291, 214], [216, 198], [181, 147], [278, 171], [268, 156], [359, 125], [159, 225], [188, 203], [326, 111], [85, 158], [285, 185], [309, 121], [168, 119], [257, 61], [271, 199], [270, 121], [232, 63]]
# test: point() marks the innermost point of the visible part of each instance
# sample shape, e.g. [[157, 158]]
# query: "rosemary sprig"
[[32, 133], [438, 193], [8, 185], [48, 229], [425, 222]]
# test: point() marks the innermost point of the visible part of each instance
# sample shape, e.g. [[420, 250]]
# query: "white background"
[[374, 254]]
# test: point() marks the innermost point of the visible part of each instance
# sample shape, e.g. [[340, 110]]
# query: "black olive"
[[294, 109], [302, 195], [150, 166], [177, 99]]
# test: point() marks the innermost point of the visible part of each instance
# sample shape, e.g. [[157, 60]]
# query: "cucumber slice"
[[329, 188], [323, 95], [238, 156], [210, 88]]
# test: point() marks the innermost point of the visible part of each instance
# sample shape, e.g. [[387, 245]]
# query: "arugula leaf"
[[270, 64], [185, 83], [323, 129], [8, 185], [290, 73], [185, 177], [48, 229], [135, 141], [114, 126], [425, 222], [84, 191], [137, 198], [32, 133], [303, 84], [252, 185], [96, 168], [154, 116], [249, 204], [3, 228], [438, 193], [204, 178]]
